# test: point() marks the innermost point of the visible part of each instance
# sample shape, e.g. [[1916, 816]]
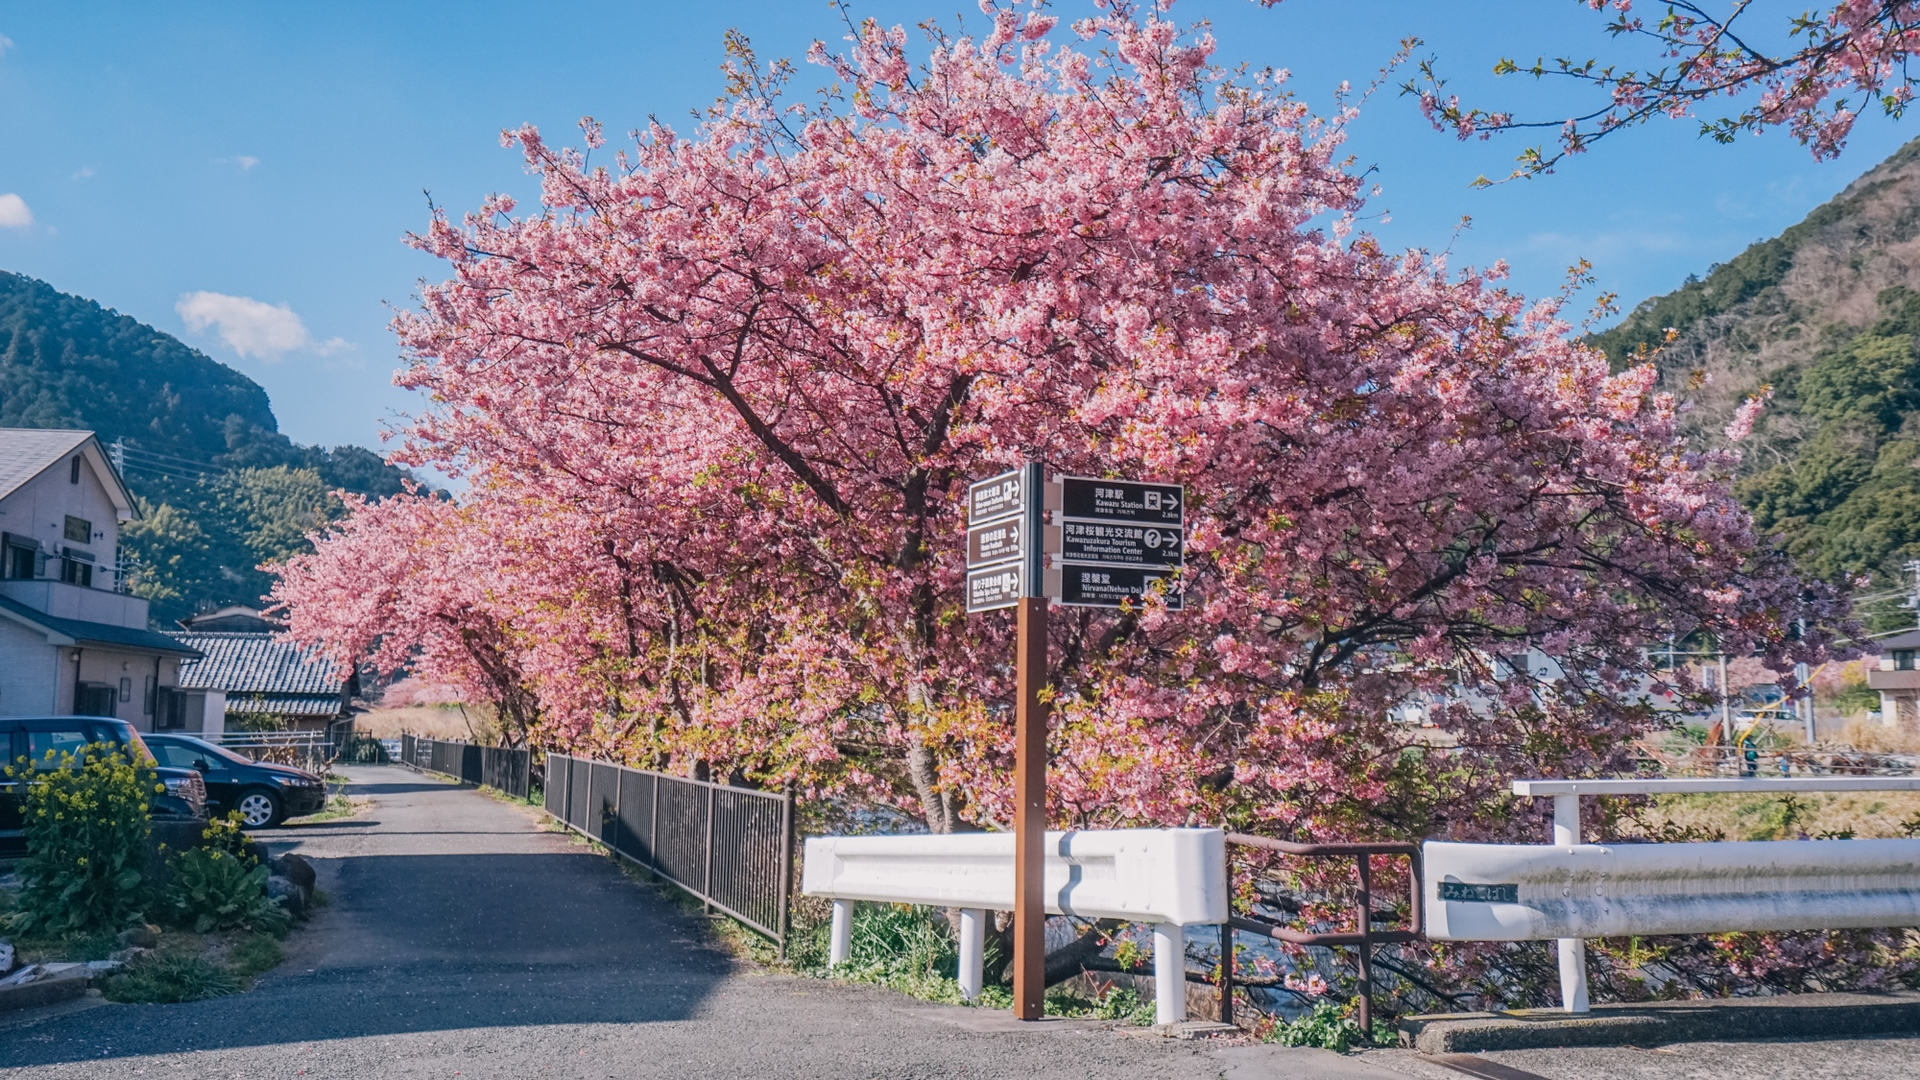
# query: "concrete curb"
[[56, 987], [1784, 1016]]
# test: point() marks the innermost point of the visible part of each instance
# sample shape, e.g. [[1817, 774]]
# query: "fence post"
[[1169, 974], [1225, 1010], [1364, 909], [526, 776], [619, 823], [706, 885], [1573, 951], [653, 830], [786, 868]]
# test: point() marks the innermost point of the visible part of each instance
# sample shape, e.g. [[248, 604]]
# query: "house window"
[[75, 572], [1903, 659], [79, 530], [73, 476], [20, 562]]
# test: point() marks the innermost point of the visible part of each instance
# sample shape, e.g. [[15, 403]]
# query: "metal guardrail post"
[[1573, 951]]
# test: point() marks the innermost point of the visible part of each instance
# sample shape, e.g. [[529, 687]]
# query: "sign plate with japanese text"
[[993, 587], [1122, 500], [1121, 545], [1114, 586]]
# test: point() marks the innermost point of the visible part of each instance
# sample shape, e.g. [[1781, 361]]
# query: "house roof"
[[27, 452], [233, 612], [1908, 640], [80, 632], [257, 664], [286, 704]]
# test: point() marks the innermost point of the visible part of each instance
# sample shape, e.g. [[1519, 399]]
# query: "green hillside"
[[1827, 314], [223, 489]]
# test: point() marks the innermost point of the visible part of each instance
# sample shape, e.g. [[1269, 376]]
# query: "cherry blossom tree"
[[1812, 73], [717, 399]]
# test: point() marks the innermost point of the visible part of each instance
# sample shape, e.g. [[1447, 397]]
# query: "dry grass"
[[432, 721], [1863, 814], [1879, 738]]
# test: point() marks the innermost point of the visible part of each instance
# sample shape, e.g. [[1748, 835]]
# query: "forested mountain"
[[223, 489], [1827, 314]]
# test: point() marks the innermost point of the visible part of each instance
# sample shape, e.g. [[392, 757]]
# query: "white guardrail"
[[1572, 891], [1171, 878]]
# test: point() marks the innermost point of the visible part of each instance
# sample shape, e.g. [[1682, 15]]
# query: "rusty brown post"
[[1365, 913], [1030, 812]]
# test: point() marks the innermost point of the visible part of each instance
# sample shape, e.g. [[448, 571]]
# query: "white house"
[[72, 639]]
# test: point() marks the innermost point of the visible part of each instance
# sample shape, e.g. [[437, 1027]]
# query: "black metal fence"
[[731, 847], [498, 767]]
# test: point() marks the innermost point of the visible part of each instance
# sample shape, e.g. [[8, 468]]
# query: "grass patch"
[[338, 806], [172, 976], [253, 954]]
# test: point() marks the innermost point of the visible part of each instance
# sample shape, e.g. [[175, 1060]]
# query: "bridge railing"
[[1570, 891], [1169, 878], [729, 847]]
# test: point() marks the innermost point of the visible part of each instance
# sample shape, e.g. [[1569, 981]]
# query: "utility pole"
[[1913, 599]]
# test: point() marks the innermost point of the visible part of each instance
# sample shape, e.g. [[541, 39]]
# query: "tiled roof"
[[258, 664], [26, 452], [98, 634], [286, 704]]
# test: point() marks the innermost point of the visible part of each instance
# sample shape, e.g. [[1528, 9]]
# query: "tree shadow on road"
[[414, 943]]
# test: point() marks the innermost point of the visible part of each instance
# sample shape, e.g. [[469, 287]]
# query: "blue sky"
[[240, 175]]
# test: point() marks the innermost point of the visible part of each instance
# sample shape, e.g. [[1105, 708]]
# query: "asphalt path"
[[462, 940]]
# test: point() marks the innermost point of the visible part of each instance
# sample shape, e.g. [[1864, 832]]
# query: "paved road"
[[463, 941]]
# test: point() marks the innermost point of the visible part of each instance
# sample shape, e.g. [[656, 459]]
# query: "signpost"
[[1114, 543]]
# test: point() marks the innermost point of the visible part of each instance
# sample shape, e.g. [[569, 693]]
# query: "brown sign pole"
[[1030, 773]]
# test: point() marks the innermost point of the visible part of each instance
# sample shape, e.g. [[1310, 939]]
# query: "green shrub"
[[169, 977], [85, 820], [214, 888], [1330, 1025]]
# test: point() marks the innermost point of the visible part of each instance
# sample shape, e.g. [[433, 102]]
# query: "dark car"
[[36, 736], [265, 794]]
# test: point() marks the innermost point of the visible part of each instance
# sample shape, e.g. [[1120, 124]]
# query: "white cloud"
[[243, 162], [253, 327], [14, 213], [85, 172], [5, 44]]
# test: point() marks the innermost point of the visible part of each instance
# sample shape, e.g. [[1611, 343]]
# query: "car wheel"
[[259, 808]]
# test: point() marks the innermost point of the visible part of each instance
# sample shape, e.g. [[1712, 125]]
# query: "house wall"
[[39, 509], [108, 667], [30, 672]]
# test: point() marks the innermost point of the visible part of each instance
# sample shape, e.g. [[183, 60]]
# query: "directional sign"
[[993, 587], [1111, 586], [994, 542], [1121, 545], [1122, 501], [996, 497]]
